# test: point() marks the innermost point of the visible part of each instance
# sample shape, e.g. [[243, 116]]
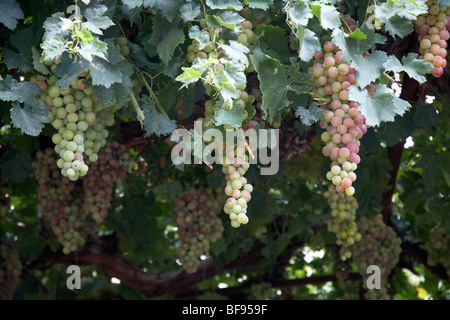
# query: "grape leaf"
[[273, 83], [232, 117], [299, 13], [189, 11], [414, 67], [133, 3], [224, 4], [155, 122], [383, 105], [327, 14], [37, 64], [309, 116], [273, 42], [96, 20], [226, 18], [259, 4], [93, 48], [236, 52], [309, 44], [31, 118], [22, 40], [426, 115], [166, 37], [170, 9], [11, 90], [10, 12], [368, 67], [52, 48]]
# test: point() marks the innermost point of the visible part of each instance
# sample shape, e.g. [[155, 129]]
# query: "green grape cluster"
[[235, 165], [342, 220], [196, 214], [438, 247], [5, 198], [340, 267], [122, 42], [80, 122], [76, 209], [379, 246], [261, 291], [351, 289], [10, 270], [432, 28]]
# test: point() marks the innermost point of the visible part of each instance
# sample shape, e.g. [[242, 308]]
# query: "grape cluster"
[[196, 213], [5, 198], [342, 220], [261, 291], [432, 28], [380, 246], [10, 270], [235, 165], [122, 42], [438, 247], [80, 122], [76, 209], [344, 123]]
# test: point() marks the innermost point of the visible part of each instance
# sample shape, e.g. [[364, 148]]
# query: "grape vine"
[[10, 270]]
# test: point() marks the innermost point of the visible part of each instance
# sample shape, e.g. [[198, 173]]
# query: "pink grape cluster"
[[10, 270], [235, 165], [342, 220], [197, 218], [111, 167], [433, 29], [344, 123], [380, 246], [75, 210]]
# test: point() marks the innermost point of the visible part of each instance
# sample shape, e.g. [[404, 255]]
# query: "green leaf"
[[15, 166], [236, 52], [96, 20], [155, 122], [309, 44], [232, 117], [88, 50], [368, 67], [383, 105], [224, 4], [23, 40], [259, 4], [426, 116], [166, 37], [414, 67], [10, 12], [226, 18], [11, 90], [31, 118], [53, 48], [189, 11], [273, 42], [299, 13], [311, 115], [38, 65], [53, 27], [170, 9], [273, 83], [329, 17], [133, 3]]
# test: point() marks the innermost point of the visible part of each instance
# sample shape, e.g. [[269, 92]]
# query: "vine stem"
[[150, 91]]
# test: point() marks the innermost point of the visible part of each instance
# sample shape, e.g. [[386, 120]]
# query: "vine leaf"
[[414, 67], [232, 117], [31, 118], [383, 105], [10, 12], [311, 115], [224, 4], [11, 90], [155, 122], [96, 20], [166, 37]]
